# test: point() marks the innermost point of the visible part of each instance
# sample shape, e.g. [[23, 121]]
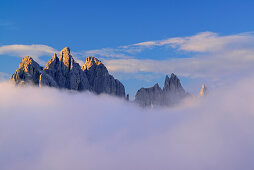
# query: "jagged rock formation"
[[28, 72], [100, 80], [64, 72], [149, 96], [171, 94], [203, 90]]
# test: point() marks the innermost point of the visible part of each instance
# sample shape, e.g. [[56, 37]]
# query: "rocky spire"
[[172, 84], [203, 90], [65, 72], [52, 63], [171, 94], [66, 59], [100, 80], [28, 72]]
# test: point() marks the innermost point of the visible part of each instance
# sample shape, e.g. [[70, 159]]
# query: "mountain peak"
[[203, 90], [65, 72], [65, 50], [172, 84], [66, 59], [91, 61], [28, 72], [171, 94]]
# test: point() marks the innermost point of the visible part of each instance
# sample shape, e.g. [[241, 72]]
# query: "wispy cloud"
[[211, 56], [208, 54], [27, 50]]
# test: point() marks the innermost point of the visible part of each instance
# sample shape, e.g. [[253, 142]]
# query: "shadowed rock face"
[[171, 94], [173, 84], [100, 80], [149, 96], [173, 91], [64, 72]]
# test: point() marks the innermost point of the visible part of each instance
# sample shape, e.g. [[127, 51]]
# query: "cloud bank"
[[44, 129]]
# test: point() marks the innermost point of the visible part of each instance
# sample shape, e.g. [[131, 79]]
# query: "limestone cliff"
[[149, 96], [64, 72], [171, 94], [100, 80], [28, 72]]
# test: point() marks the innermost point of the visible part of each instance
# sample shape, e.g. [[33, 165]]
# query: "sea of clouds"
[[50, 129]]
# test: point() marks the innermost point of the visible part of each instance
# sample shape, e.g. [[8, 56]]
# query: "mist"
[[49, 129]]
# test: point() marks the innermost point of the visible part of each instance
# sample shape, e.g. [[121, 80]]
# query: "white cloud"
[[60, 130], [210, 55], [27, 50], [202, 42], [214, 56]]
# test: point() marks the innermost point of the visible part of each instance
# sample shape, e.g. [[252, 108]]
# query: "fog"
[[49, 129]]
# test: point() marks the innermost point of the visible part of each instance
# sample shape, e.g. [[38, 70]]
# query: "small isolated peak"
[[203, 91]]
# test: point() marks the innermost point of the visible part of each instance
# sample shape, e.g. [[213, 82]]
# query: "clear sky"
[[174, 36]]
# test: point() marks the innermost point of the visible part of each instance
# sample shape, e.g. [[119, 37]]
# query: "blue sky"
[[87, 26]]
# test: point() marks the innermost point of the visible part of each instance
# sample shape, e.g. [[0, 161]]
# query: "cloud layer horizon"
[[45, 128]]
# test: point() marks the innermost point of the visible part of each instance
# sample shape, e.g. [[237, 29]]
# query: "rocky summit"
[[65, 73], [172, 93], [203, 90], [99, 78]]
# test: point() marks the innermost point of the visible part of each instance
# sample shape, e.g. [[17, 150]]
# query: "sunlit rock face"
[[64, 72], [100, 80], [203, 90], [171, 94], [28, 72]]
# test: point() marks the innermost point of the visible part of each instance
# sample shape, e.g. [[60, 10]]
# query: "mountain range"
[[65, 73]]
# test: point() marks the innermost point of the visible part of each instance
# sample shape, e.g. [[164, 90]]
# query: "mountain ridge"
[[171, 94], [64, 72]]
